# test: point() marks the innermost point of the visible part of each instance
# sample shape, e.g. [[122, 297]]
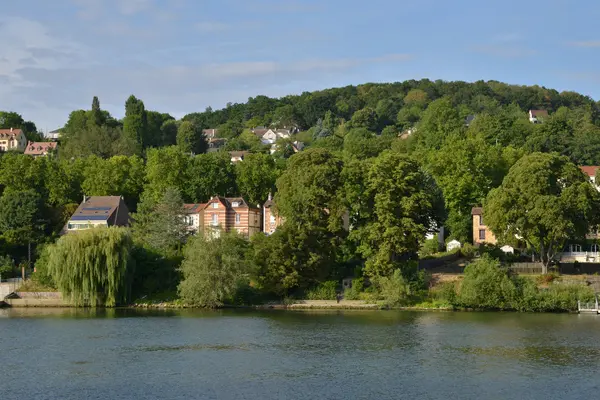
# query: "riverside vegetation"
[[359, 158]]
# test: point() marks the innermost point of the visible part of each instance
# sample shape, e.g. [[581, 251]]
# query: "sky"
[[180, 56]]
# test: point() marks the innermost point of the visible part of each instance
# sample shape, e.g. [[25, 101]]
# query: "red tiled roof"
[[10, 133], [589, 170], [194, 208], [539, 113], [39, 148]]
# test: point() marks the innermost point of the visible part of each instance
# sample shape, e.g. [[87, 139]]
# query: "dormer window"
[[215, 205], [235, 204]]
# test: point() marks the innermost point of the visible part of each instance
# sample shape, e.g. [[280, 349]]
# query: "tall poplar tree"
[[135, 122]]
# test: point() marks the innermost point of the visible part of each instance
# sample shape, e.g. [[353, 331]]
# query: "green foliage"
[[486, 285], [41, 274], [256, 177], [468, 250], [394, 289], [324, 291], [429, 247], [21, 217], [213, 270], [93, 267], [546, 200], [135, 123], [190, 138], [7, 267]]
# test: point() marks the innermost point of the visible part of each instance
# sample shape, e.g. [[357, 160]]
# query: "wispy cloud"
[[212, 26], [588, 43]]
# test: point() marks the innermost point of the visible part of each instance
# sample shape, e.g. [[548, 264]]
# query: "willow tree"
[[93, 268]]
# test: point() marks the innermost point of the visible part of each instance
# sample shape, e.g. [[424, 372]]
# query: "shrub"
[[468, 250], [324, 291], [354, 293], [486, 285], [547, 278], [394, 290], [445, 292], [429, 247], [41, 276], [7, 267]]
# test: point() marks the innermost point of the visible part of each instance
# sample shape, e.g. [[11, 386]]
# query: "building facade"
[[481, 233], [223, 214], [270, 218], [40, 149], [12, 140], [98, 211]]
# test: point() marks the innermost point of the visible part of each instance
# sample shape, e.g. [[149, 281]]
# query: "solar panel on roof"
[[89, 217], [96, 208]]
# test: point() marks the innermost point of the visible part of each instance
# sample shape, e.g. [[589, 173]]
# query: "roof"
[[538, 113], [477, 211], [194, 208], [238, 153], [39, 148], [260, 131], [228, 202], [98, 208], [589, 170], [210, 132], [4, 133]]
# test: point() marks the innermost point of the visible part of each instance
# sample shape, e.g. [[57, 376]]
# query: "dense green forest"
[[401, 158]]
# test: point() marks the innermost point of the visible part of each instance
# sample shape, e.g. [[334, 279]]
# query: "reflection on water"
[[166, 354]]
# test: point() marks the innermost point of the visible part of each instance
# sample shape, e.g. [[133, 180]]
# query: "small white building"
[[453, 245], [508, 249]]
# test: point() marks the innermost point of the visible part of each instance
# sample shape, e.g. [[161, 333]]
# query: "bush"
[[445, 292], [429, 247], [7, 267], [354, 293], [394, 290], [486, 285], [325, 291], [547, 278], [468, 250], [41, 276]]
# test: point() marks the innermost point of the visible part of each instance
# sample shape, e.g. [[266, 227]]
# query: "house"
[[40, 149], [231, 214], [296, 147], [590, 171], [210, 133], [98, 211], [481, 233], [271, 220], [194, 216], [406, 133], [237, 156], [537, 116], [215, 144], [54, 135], [270, 136], [12, 139]]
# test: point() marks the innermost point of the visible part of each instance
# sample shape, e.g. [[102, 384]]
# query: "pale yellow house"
[[12, 139]]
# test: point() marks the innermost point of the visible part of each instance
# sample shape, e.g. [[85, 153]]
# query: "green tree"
[[161, 225], [166, 167], [365, 118], [190, 138], [94, 267], [21, 217], [154, 132], [116, 176], [546, 200], [307, 190], [96, 118], [209, 175], [214, 270], [439, 121], [406, 205], [135, 123], [10, 119], [362, 144], [255, 177], [168, 131]]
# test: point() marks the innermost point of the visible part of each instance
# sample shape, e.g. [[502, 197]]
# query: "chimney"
[[84, 198], [270, 196], [11, 128]]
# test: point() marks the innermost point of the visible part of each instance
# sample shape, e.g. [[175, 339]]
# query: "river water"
[[127, 354]]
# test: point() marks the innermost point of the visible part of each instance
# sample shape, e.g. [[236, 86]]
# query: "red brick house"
[[231, 214], [481, 233]]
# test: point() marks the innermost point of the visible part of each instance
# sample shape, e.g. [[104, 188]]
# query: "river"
[[129, 354]]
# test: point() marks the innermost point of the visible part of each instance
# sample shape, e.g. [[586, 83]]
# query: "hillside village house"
[[270, 218], [12, 139], [40, 149], [210, 133], [537, 116], [296, 147], [223, 214], [53, 135], [237, 156], [481, 233], [215, 144], [98, 211], [270, 136]]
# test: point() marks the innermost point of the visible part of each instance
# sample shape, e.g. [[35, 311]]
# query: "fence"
[[526, 268], [563, 268]]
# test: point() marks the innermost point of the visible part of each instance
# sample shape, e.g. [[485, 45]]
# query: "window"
[[482, 234], [235, 204], [215, 205], [272, 219], [215, 219], [237, 219], [481, 220]]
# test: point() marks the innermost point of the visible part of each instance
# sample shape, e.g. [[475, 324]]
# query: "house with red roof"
[[12, 139], [40, 149], [537, 116]]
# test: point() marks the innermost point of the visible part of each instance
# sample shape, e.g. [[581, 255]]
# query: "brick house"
[[270, 218], [40, 149], [481, 233], [231, 214], [12, 139]]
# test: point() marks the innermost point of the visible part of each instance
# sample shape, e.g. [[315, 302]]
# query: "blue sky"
[[180, 56]]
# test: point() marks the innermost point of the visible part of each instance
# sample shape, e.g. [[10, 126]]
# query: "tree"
[[406, 205], [116, 176], [255, 177], [210, 174], [96, 117], [190, 138], [21, 217], [161, 225], [10, 119], [307, 190], [438, 122], [135, 123], [154, 133], [166, 167], [546, 200], [93, 267], [365, 118], [213, 270], [168, 131], [362, 144]]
